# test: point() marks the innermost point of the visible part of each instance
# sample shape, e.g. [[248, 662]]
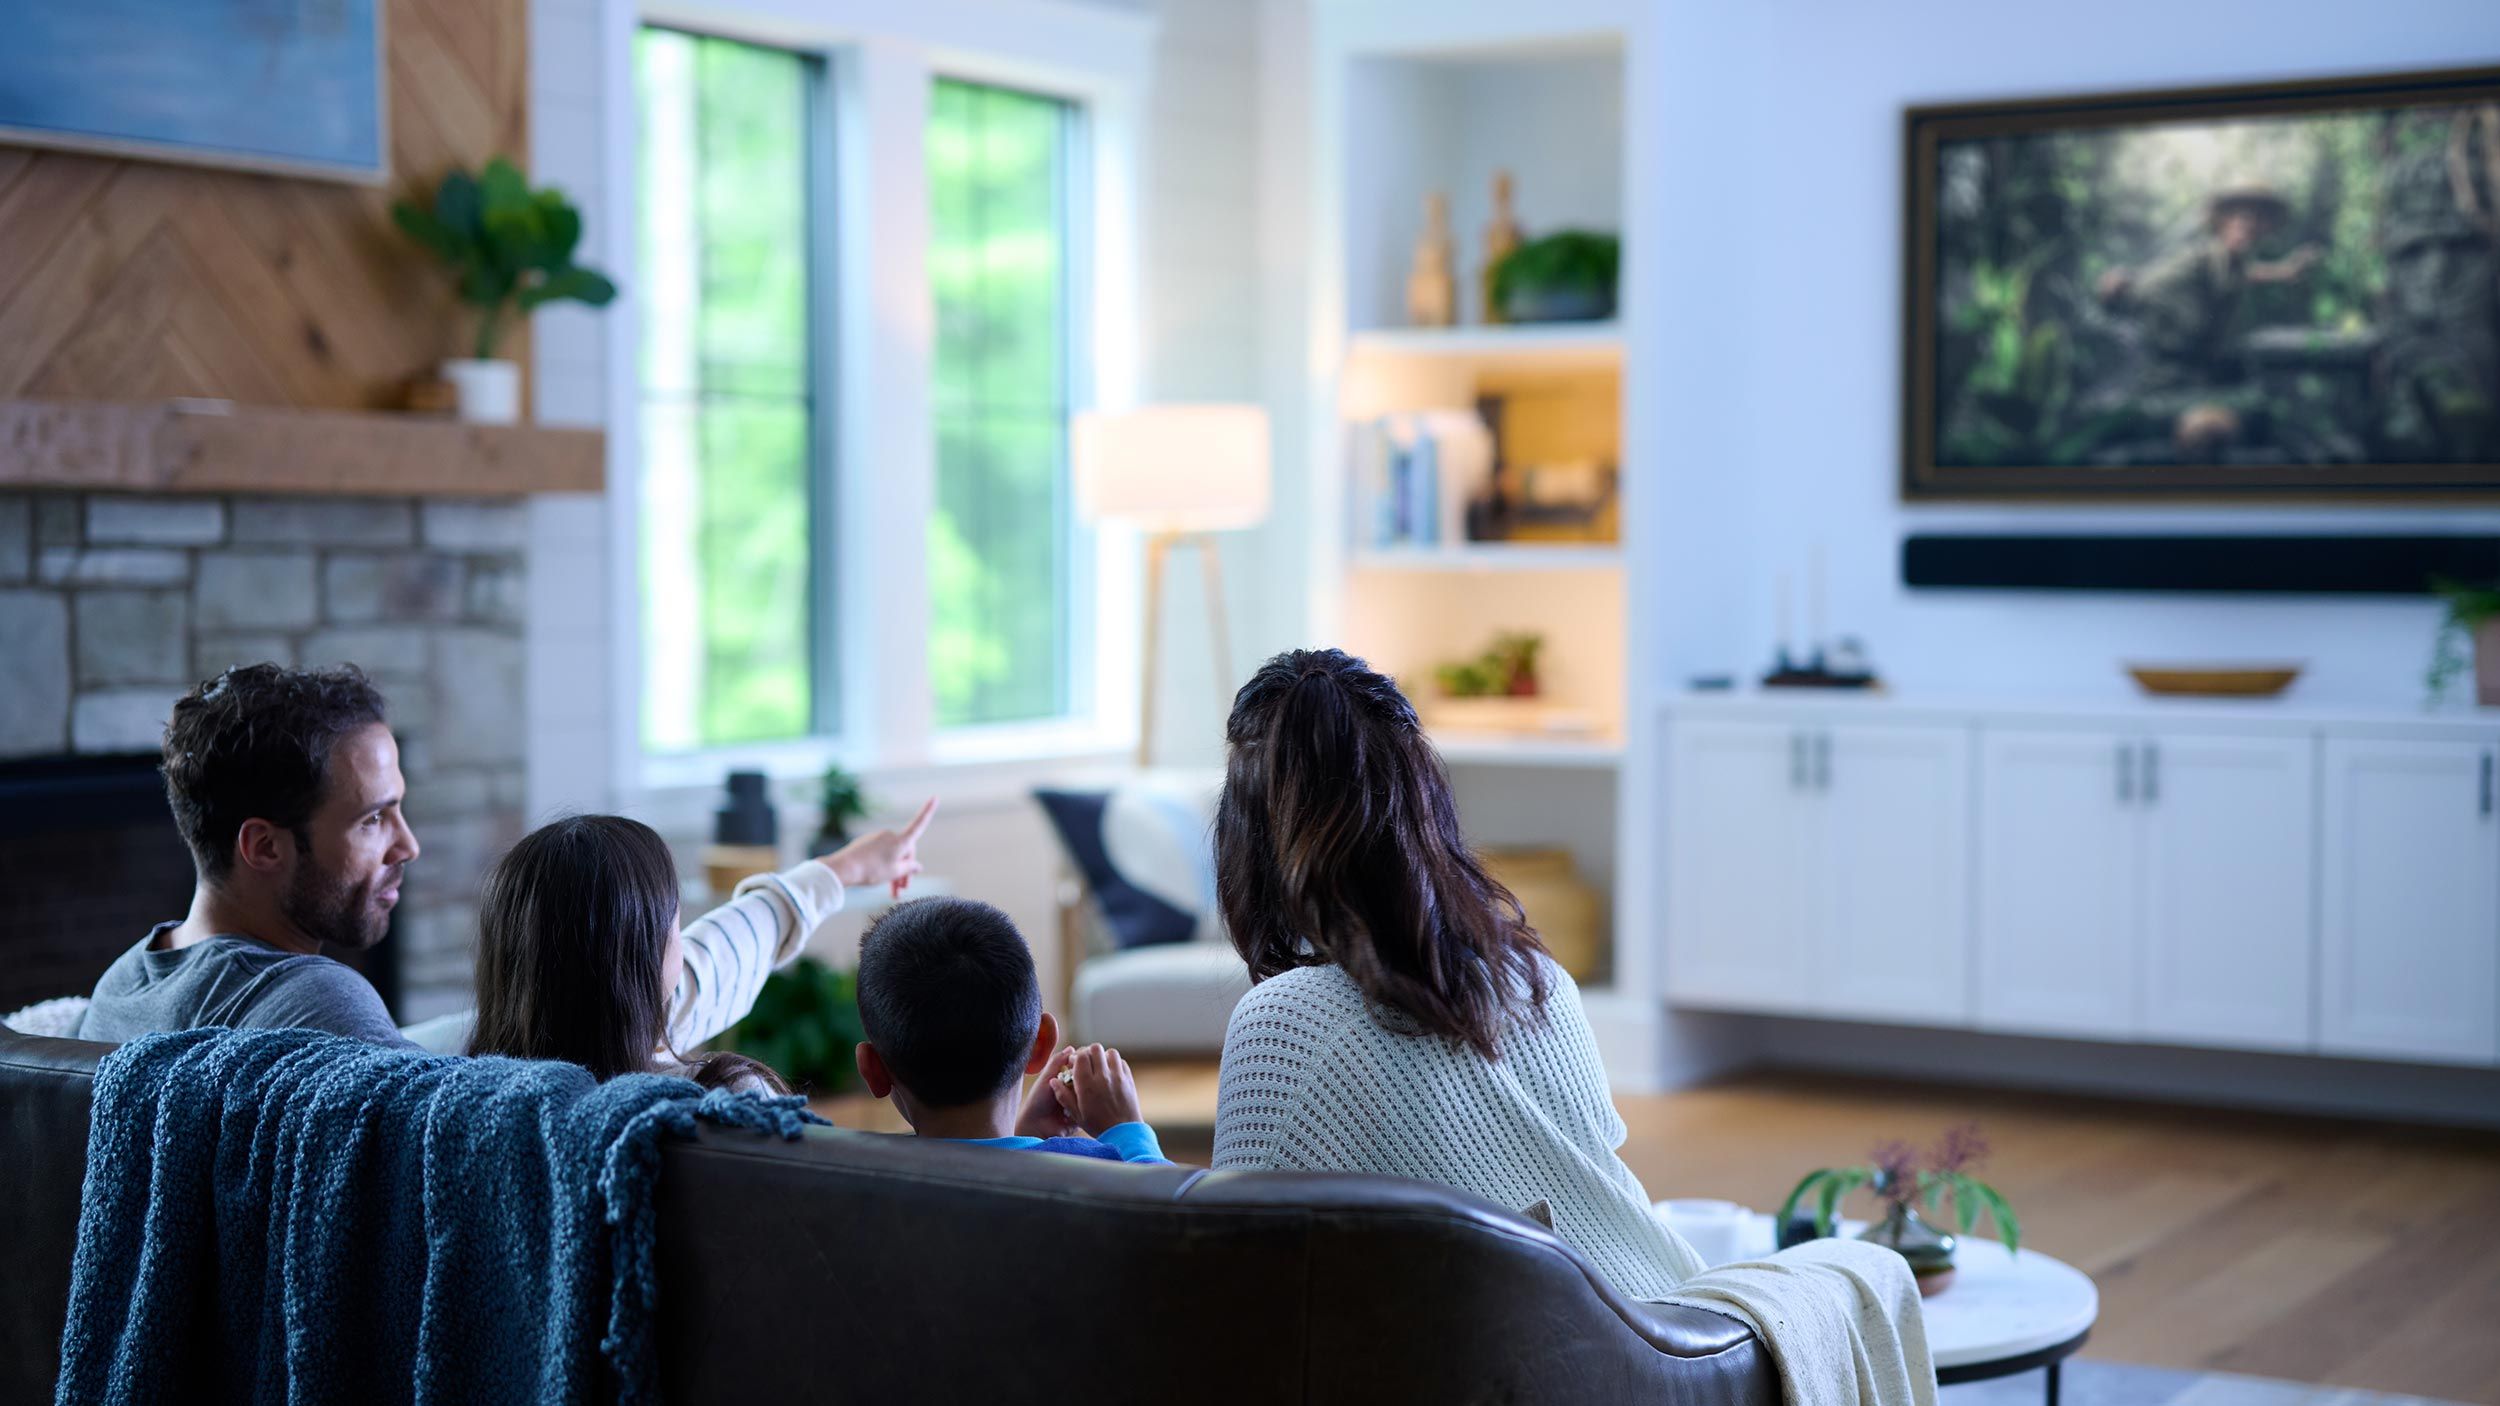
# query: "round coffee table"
[[2008, 1313], [2001, 1315]]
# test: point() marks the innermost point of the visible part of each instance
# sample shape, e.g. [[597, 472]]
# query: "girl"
[[580, 957]]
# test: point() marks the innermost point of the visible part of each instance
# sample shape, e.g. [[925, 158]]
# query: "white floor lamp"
[[1180, 473]]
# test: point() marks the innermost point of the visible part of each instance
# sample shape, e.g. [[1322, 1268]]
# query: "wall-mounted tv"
[[2276, 289]]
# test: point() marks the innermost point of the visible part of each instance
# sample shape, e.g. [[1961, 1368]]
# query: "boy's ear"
[[872, 1070], [1045, 1040]]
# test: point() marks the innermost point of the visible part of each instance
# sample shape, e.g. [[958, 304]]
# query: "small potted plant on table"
[[1894, 1174]]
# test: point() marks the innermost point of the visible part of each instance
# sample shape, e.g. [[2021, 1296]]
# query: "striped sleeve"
[[730, 950]]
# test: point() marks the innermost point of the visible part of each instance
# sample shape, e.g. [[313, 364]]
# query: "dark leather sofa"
[[857, 1267]]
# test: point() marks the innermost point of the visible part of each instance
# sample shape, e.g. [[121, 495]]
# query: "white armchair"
[[1144, 962]]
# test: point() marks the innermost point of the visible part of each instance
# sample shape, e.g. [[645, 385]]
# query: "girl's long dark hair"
[[1337, 842], [572, 934]]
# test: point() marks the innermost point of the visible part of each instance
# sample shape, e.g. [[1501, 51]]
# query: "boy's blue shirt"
[[1121, 1142]]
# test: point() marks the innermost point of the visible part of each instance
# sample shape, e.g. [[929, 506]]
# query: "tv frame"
[[1924, 127]]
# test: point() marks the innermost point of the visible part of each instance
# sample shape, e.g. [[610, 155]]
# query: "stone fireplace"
[[113, 604]]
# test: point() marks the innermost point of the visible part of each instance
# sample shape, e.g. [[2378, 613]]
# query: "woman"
[[580, 957], [1405, 1020]]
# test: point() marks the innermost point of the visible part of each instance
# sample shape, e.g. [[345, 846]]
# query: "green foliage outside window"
[[729, 419], [998, 542]]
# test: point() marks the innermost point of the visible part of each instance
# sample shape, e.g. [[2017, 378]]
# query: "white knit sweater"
[[1312, 1082]]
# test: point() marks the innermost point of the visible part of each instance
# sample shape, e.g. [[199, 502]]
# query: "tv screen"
[[2275, 290]]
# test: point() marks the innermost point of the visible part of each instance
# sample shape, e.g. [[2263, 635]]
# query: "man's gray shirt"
[[231, 980]]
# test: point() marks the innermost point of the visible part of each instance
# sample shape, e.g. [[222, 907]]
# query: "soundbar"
[[2301, 565]]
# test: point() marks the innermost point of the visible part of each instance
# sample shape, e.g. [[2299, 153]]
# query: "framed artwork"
[[2276, 289], [286, 86]]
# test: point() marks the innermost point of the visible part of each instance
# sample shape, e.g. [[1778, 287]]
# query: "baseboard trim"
[[2342, 1088]]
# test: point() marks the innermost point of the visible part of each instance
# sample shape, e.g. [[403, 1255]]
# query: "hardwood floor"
[[2342, 1253]]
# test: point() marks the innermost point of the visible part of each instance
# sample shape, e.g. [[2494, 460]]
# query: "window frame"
[[874, 330]]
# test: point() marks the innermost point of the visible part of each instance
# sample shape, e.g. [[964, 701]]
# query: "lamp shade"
[[1172, 468]]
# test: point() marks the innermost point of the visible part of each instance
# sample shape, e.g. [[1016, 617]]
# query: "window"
[[1001, 568], [737, 620]]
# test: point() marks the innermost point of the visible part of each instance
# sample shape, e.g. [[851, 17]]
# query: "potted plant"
[[1567, 276], [1893, 1172], [842, 801], [512, 248], [1506, 669], [2473, 615]]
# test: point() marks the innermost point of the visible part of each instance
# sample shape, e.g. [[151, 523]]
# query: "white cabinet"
[[2228, 839], [1892, 856], [2410, 901], [1819, 869], [2194, 874], [2057, 883], [1736, 882], [2147, 887]]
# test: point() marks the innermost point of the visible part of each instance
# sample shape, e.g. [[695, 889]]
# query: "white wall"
[[573, 687], [1213, 291], [1780, 366]]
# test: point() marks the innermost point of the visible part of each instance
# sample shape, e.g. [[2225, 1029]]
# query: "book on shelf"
[[1437, 480]]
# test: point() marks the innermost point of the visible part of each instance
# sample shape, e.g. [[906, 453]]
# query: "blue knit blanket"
[[288, 1216]]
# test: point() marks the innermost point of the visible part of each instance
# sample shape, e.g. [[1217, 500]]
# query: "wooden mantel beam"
[[218, 447]]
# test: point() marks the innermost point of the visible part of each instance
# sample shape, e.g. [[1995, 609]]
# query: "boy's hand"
[[884, 857], [1106, 1092], [1049, 1108]]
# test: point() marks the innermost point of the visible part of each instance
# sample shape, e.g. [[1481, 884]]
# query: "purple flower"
[[1963, 1148]]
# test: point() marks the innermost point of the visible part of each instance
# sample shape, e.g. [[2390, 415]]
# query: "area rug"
[[2123, 1384]]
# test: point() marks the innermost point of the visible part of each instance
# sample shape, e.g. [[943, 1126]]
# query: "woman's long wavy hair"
[[572, 937], [1337, 842]]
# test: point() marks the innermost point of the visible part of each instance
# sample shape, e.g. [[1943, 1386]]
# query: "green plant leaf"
[[503, 186], [426, 229], [1789, 1206], [578, 284], [1827, 1205], [458, 204], [2008, 1228]]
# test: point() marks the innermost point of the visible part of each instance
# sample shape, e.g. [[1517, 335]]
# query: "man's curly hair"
[[254, 742]]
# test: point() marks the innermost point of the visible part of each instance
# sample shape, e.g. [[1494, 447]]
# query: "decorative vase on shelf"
[[1432, 283], [1501, 237], [1929, 1250], [485, 392]]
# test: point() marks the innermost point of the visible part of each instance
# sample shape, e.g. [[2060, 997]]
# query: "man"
[[285, 784], [2188, 301]]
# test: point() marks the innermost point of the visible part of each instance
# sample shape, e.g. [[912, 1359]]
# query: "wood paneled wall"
[[136, 280]]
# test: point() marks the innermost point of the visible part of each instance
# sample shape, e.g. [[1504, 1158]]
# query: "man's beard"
[[335, 912]]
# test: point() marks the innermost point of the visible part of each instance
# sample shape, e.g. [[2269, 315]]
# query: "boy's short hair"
[[948, 996]]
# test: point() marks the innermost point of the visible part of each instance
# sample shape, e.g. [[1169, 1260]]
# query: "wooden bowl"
[[2216, 680]]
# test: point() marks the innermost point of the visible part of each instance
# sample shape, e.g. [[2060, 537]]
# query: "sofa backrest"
[[855, 1266]]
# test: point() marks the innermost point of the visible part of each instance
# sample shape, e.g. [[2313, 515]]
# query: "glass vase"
[[1929, 1250]]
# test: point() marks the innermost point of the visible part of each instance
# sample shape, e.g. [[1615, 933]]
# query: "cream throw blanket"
[[1841, 1317]]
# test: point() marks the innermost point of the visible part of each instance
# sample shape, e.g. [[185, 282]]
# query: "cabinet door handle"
[[2486, 785], [2152, 773], [2126, 773], [1822, 761], [1796, 761]]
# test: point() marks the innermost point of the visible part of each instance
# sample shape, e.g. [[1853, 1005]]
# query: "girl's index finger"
[[920, 822]]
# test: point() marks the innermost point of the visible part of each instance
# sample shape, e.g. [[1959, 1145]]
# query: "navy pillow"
[[1135, 917]]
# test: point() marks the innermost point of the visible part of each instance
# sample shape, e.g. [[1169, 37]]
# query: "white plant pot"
[[486, 392]]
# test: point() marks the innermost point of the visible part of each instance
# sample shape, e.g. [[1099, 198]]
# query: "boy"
[[954, 1017]]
